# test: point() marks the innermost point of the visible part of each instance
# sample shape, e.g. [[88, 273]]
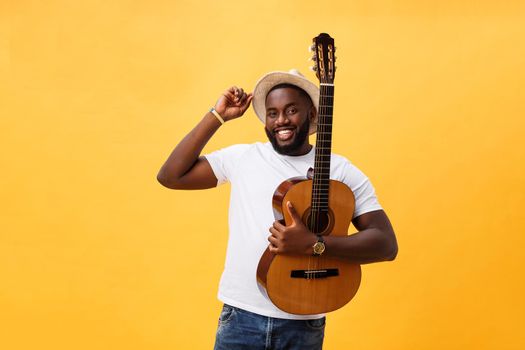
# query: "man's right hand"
[[233, 103]]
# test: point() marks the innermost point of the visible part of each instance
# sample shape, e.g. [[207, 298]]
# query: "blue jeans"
[[240, 329]]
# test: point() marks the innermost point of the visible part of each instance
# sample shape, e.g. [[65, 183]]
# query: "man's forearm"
[[187, 152], [367, 246]]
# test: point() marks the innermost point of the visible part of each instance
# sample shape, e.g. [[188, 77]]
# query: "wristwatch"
[[319, 246]]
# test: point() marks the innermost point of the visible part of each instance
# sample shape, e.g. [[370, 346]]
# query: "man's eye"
[[291, 111], [271, 115]]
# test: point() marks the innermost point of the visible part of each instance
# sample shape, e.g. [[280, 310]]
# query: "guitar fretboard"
[[323, 150]]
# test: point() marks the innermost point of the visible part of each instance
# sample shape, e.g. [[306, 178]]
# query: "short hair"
[[292, 86]]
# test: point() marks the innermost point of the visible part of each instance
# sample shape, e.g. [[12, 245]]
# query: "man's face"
[[288, 114]]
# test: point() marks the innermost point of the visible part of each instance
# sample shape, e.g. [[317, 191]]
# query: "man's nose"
[[282, 119]]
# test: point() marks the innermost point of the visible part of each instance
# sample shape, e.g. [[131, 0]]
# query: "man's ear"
[[313, 113]]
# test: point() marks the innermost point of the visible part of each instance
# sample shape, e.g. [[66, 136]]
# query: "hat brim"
[[267, 82]]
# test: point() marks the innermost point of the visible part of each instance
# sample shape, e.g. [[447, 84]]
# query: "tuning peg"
[[313, 58], [313, 68], [311, 48]]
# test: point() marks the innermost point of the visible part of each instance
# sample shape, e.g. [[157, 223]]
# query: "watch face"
[[318, 248]]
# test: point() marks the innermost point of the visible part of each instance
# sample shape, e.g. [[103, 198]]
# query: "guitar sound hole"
[[317, 221]]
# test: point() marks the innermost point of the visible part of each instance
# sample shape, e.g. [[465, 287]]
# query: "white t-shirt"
[[255, 171]]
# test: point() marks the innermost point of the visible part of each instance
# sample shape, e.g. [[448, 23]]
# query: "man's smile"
[[284, 133]]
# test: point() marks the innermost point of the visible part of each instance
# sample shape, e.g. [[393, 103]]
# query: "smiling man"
[[287, 127], [287, 104]]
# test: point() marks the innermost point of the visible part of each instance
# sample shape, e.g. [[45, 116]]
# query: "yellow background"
[[95, 254]]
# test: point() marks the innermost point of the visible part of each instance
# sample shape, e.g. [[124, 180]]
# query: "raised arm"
[[185, 169]]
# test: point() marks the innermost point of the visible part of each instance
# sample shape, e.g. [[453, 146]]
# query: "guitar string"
[[317, 166], [323, 151], [322, 162], [318, 178], [314, 214]]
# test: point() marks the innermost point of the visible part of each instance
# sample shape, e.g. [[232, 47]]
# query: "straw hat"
[[293, 77]]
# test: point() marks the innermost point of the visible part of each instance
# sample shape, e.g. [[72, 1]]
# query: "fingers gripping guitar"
[[292, 239]]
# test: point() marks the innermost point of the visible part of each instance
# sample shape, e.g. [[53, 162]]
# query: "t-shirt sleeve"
[[364, 192], [223, 162]]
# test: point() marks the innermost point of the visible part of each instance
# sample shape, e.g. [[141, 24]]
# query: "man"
[[287, 103]]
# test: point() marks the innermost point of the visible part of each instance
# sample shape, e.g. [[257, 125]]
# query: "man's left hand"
[[292, 239]]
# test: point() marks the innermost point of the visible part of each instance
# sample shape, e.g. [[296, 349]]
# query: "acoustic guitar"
[[301, 284]]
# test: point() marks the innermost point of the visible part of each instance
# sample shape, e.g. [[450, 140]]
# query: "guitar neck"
[[323, 149]]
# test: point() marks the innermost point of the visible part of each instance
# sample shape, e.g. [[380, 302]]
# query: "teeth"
[[284, 134]]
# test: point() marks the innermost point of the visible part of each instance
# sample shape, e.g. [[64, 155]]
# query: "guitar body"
[[302, 284], [307, 285]]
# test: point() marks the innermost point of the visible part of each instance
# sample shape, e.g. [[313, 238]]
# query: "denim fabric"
[[239, 329]]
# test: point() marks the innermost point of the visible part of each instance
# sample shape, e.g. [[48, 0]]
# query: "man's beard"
[[301, 134]]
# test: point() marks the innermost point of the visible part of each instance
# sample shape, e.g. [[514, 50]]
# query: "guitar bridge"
[[311, 274]]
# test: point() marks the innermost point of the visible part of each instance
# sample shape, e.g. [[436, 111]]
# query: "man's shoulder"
[[344, 167], [338, 158]]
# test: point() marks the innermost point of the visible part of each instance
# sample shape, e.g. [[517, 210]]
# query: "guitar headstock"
[[324, 58]]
